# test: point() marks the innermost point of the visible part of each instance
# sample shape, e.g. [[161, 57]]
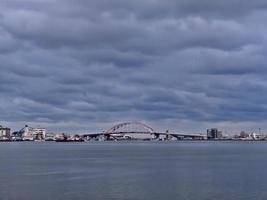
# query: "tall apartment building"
[[4, 132], [214, 133]]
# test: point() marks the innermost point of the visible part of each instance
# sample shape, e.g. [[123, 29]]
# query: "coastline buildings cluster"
[[215, 134], [28, 133]]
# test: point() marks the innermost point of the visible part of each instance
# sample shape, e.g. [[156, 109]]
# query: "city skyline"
[[79, 65], [124, 131]]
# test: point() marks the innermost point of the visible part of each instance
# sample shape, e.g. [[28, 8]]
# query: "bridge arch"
[[131, 127]]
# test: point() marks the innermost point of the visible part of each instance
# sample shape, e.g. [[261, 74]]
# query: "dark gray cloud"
[[183, 65]]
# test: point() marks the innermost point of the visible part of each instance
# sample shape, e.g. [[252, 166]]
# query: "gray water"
[[133, 170]]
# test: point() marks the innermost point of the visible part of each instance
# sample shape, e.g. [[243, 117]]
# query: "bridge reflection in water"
[[139, 130]]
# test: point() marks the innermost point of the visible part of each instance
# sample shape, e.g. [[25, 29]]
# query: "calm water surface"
[[134, 170]]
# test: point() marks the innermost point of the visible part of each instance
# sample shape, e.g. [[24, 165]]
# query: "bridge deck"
[[154, 133]]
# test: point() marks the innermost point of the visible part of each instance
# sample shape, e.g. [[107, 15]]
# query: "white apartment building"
[[29, 133]]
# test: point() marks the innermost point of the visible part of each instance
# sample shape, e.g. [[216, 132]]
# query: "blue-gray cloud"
[[164, 62]]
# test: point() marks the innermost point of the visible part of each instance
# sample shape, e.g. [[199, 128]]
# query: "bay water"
[[134, 170]]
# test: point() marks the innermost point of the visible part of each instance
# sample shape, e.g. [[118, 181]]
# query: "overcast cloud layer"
[[179, 64]]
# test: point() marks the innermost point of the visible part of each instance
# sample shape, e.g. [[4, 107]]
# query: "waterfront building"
[[4, 132], [29, 133], [214, 133]]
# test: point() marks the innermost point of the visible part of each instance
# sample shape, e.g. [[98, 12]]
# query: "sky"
[[182, 65]]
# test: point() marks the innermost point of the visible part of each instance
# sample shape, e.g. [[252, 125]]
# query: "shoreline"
[[85, 141]]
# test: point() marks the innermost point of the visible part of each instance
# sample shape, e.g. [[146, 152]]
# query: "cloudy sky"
[[183, 65]]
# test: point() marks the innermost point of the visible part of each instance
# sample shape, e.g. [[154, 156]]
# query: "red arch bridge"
[[131, 130]]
